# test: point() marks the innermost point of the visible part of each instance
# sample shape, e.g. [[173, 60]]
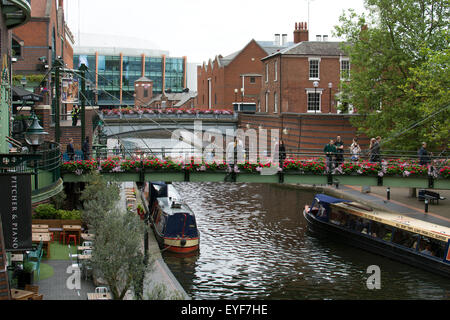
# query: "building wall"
[[293, 83], [37, 38], [225, 79]]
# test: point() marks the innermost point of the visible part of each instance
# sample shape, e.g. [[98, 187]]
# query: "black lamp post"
[[35, 136], [315, 84]]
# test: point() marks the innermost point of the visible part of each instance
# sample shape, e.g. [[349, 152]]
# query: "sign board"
[[70, 92], [15, 195]]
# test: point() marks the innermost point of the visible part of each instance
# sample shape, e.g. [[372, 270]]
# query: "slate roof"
[[312, 48]]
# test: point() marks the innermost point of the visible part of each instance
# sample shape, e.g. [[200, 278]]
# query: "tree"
[[117, 254], [390, 49]]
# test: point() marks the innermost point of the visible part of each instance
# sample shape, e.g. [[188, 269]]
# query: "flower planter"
[[357, 180], [297, 177], [200, 176], [256, 178], [164, 175], [412, 182], [121, 176], [442, 183]]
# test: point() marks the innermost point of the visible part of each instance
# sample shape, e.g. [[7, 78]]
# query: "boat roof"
[[328, 199], [173, 203], [406, 223]]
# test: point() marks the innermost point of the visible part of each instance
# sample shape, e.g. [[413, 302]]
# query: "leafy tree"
[[391, 49], [118, 254]]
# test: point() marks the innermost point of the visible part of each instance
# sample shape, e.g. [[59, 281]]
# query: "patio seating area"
[[57, 269]]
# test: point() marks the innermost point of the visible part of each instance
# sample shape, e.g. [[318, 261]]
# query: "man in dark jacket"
[[85, 149], [424, 155], [339, 150], [70, 150], [330, 152]]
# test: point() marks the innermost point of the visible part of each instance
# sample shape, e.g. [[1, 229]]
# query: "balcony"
[[15, 12], [43, 166]]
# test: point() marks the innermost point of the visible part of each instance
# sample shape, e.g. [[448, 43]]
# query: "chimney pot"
[[296, 27], [306, 26], [301, 25]]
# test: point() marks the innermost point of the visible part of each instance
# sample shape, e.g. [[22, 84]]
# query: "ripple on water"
[[255, 245]]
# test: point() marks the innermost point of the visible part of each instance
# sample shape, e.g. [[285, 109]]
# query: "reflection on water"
[[255, 245]]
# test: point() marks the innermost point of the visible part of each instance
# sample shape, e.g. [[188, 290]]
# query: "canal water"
[[254, 244]]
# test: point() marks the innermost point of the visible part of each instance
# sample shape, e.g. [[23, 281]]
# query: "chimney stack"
[[277, 39], [283, 39], [301, 32]]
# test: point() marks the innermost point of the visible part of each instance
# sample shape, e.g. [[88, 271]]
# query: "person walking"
[[75, 113], [339, 144], [330, 151], [355, 150], [282, 153], [424, 155], [374, 150], [85, 149], [70, 150]]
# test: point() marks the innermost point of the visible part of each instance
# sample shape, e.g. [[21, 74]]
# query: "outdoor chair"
[[37, 264], [72, 237], [101, 290], [35, 253]]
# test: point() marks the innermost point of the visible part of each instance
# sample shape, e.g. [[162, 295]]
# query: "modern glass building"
[[113, 75]]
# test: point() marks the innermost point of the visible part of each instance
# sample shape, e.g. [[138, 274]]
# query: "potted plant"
[[25, 275]]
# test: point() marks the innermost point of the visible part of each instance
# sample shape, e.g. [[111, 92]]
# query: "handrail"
[[14, 142]]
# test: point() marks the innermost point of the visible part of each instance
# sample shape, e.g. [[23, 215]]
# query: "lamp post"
[[315, 84], [35, 136], [235, 97], [242, 98], [330, 85]]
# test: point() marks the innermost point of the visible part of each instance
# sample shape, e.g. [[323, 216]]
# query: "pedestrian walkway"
[[400, 202]]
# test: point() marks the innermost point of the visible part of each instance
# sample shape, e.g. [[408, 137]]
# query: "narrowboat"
[[172, 220], [415, 242]]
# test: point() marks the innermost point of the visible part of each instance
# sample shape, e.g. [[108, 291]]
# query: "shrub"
[[45, 211]]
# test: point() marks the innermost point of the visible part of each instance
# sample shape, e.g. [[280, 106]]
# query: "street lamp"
[[235, 98], [34, 136], [330, 85], [315, 84]]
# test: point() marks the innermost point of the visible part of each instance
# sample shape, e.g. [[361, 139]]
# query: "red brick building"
[[40, 41], [235, 80]]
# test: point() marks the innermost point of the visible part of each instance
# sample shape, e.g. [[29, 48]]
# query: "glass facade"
[[108, 68]]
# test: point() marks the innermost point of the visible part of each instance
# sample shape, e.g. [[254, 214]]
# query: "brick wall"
[[306, 132]]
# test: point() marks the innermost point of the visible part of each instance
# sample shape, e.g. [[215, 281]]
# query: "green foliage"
[[28, 267], [48, 211], [393, 52], [59, 199]]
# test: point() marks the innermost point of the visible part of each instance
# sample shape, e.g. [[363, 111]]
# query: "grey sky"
[[202, 29]]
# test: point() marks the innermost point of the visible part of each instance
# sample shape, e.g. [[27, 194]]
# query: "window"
[[267, 72], [276, 71], [267, 102], [314, 101], [252, 79], [345, 69], [17, 48], [145, 92], [275, 103], [314, 68]]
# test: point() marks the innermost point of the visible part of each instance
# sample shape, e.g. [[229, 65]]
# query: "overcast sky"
[[202, 29]]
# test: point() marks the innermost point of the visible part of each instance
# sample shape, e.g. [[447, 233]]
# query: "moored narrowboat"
[[172, 220], [399, 237]]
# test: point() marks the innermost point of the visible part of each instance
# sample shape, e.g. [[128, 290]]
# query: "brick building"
[[235, 80], [40, 41]]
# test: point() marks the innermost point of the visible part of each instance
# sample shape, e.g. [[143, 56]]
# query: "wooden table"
[[39, 230], [99, 296], [84, 256], [36, 238], [39, 226], [87, 236], [67, 229], [17, 294], [17, 257], [82, 248]]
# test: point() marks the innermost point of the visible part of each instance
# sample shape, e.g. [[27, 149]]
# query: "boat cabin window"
[[432, 247], [339, 217], [381, 231], [405, 238]]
